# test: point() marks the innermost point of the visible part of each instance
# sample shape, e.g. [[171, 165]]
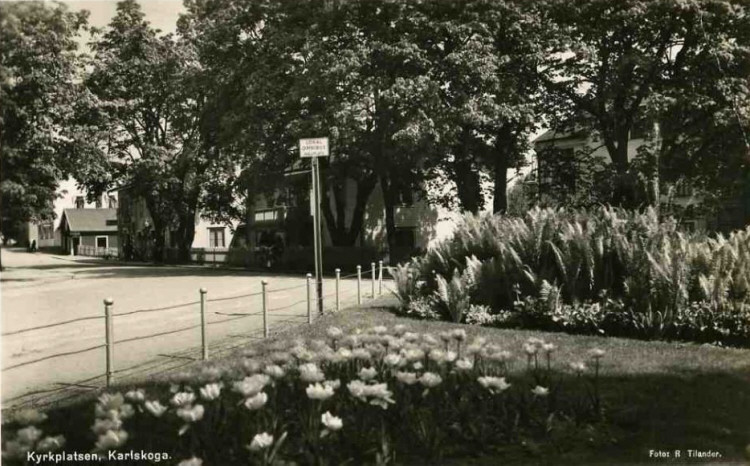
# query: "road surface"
[[44, 290]]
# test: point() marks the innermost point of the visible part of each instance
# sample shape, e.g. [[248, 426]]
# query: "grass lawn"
[[657, 395]]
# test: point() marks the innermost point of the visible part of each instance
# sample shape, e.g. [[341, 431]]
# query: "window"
[[405, 197], [216, 237], [80, 202], [102, 242], [640, 129], [683, 189], [406, 237], [267, 215]]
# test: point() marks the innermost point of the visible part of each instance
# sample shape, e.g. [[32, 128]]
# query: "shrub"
[[644, 263]]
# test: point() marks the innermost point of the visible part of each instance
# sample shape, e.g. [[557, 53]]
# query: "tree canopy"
[[39, 72]]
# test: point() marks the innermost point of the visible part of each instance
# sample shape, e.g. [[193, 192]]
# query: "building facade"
[[89, 232], [563, 157], [48, 235]]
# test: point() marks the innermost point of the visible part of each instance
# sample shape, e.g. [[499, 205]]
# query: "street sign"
[[314, 147]]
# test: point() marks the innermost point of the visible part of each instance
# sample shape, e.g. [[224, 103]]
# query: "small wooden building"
[[89, 232]]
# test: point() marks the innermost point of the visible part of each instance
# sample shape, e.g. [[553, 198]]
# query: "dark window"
[[406, 237], [683, 189], [216, 237], [80, 202], [111, 223], [101, 241], [641, 129], [558, 170]]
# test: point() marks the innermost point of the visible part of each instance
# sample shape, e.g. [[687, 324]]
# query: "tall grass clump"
[[634, 262]]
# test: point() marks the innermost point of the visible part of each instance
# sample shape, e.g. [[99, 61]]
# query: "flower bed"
[[606, 271], [364, 397]]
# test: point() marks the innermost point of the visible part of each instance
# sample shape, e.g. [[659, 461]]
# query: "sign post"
[[314, 148]]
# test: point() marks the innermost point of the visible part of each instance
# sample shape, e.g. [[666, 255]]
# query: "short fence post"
[[380, 278], [309, 301], [204, 345], [372, 270], [338, 279], [264, 283], [109, 340], [359, 285]]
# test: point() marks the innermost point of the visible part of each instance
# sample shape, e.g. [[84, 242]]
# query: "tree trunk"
[[500, 199], [341, 233], [468, 183], [389, 204]]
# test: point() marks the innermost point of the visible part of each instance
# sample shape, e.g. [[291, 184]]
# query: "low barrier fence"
[[207, 307], [93, 251]]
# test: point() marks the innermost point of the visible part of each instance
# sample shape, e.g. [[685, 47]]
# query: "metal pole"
[[380, 278], [309, 299], [338, 279], [109, 340], [204, 346], [359, 285], [264, 283], [318, 236], [372, 270]]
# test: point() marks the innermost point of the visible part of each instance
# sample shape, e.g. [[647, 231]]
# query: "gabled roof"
[[555, 135], [90, 220]]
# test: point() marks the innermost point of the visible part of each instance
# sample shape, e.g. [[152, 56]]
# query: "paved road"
[[41, 289]]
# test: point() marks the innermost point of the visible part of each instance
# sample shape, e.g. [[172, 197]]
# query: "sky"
[[162, 14]]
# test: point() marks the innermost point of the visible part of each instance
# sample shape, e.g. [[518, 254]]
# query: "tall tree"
[[607, 61], [39, 69], [483, 56], [148, 118]]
